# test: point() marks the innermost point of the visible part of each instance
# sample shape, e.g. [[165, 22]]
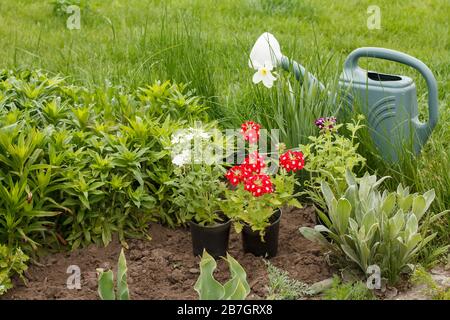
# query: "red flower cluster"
[[238, 174], [258, 185], [292, 160], [255, 162], [249, 172], [250, 131]]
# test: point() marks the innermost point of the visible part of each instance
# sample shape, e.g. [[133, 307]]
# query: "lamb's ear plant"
[[370, 227], [208, 288], [106, 288]]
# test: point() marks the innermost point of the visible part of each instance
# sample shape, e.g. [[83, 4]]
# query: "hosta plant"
[[256, 193], [372, 227], [106, 288], [208, 288]]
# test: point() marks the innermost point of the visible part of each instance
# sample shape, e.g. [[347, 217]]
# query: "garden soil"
[[165, 268]]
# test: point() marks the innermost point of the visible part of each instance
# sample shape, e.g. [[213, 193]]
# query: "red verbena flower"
[[250, 131], [238, 174], [258, 185], [255, 162], [292, 160]]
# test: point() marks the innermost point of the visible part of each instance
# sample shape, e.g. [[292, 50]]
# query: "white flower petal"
[[257, 77], [254, 64], [268, 82], [271, 76], [266, 48], [268, 65]]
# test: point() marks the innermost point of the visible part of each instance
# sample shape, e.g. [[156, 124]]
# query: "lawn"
[[124, 46]]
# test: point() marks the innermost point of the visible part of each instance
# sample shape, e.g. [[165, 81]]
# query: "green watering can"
[[389, 102]]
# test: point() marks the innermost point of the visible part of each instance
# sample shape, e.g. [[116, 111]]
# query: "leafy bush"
[[27, 180], [209, 288], [80, 165], [371, 227], [12, 261]]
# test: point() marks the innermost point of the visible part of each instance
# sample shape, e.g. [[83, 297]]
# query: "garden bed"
[[164, 268]]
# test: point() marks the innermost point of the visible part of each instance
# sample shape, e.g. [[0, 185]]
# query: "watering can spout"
[[300, 72], [267, 49]]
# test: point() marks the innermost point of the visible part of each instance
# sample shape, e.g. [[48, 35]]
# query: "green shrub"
[[371, 227], [12, 261], [97, 160], [27, 181]]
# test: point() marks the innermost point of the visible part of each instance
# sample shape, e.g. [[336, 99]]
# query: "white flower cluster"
[[182, 148]]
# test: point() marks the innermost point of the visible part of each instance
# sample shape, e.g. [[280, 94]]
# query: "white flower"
[[265, 54], [182, 158], [185, 136], [176, 137], [266, 48], [264, 74]]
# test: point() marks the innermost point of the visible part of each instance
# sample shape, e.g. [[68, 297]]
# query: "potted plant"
[[197, 190], [255, 202]]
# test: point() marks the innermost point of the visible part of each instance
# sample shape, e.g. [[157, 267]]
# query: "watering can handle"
[[423, 129]]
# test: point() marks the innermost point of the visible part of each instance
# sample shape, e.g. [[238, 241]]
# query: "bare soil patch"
[[165, 268]]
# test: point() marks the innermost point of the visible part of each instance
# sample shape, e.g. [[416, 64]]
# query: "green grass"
[[206, 43]]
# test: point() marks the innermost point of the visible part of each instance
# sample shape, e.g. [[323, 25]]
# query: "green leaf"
[[238, 276], [314, 235], [411, 225], [350, 178], [106, 285], [206, 286], [240, 292], [327, 193], [294, 203], [352, 255], [122, 286], [343, 210], [389, 204], [395, 224], [369, 220], [419, 206]]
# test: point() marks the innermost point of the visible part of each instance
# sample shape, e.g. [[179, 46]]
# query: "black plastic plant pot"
[[252, 242], [212, 238]]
